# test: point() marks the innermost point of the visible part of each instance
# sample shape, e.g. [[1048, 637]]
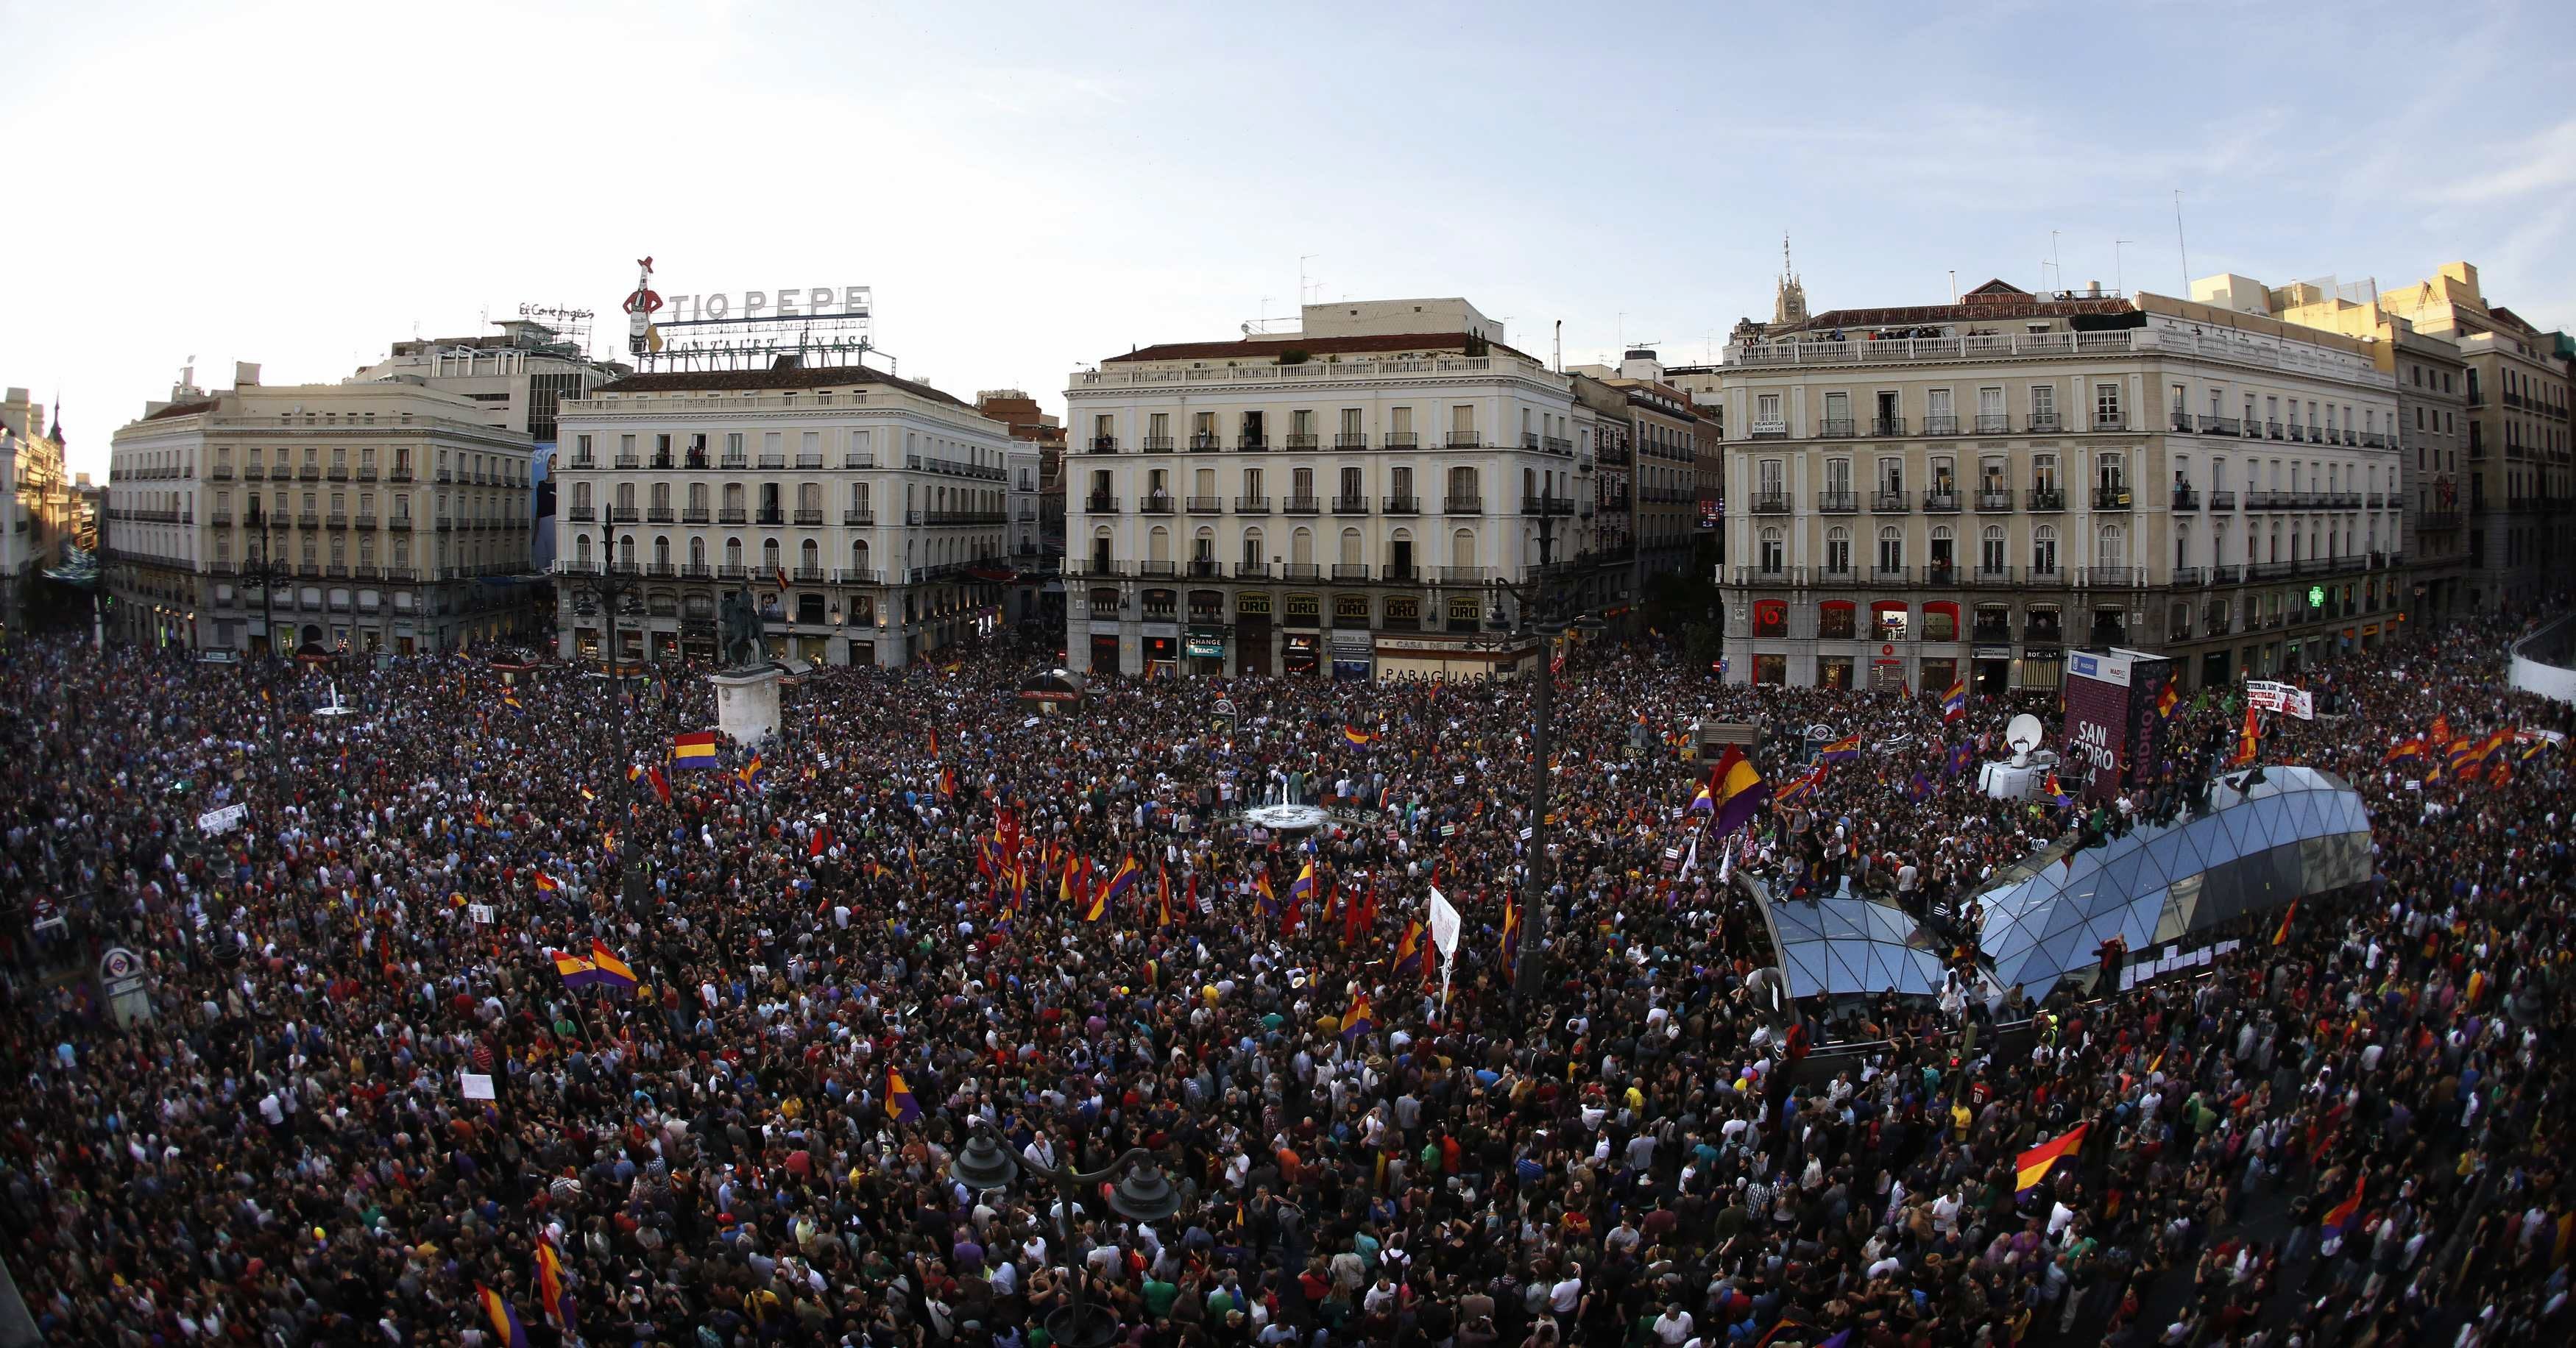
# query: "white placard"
[[480, 912], [224, 820], [1444, 922], [478, 1085], [2265, 695]]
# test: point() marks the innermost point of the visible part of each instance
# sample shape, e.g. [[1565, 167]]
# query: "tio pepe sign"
[[786, 302]]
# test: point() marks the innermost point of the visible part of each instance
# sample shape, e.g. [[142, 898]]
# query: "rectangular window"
[[2106, 405]]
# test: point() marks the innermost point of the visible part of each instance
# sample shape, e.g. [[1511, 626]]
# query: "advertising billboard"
[[2113, 735]]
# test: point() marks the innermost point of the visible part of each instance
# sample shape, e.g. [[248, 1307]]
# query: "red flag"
[[661, 784], [822, 842], [782, 579]]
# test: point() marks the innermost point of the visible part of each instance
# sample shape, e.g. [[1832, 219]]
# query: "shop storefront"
[[2043, 668], [1104, 653], [1937, 673], [1990, 670], [1205, 647], [1162, 650], [1354, 654], [1834, 672], [1301, 653], [1771, 669], [1252, 634]]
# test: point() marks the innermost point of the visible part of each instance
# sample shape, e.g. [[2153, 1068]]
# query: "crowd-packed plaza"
[[828, 1010]]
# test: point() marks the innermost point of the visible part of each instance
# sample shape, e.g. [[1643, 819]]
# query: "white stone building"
[[1339, 500], [884, 503]]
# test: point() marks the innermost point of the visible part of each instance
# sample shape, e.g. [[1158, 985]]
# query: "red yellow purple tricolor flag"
[[505, 1321], [2033, 1165]]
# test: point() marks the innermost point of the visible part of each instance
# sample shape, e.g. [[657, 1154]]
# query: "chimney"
[[245, 374]]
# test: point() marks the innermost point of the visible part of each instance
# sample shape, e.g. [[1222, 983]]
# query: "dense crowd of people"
[[875, 939]]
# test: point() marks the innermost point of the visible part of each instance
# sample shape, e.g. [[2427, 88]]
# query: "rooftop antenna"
[[2056, 259], [2119, 274], [2181, 245], [1302, 260], [1560, 346], [1954, 285]]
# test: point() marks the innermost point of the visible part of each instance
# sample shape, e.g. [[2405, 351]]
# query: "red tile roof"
[[1269, 348], [183, 410]]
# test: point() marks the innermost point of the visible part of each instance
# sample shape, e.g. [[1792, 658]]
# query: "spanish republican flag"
[[611, 969], [1408, 948], [1096, 905], [693, 751], [505, 1321], [1738, 791], [2166, 701], [550, 1290], [576, 971], [900, 1106], [2341, 1214], [547, 884], [1356, 735], [2281, 934], [1511, 934], [2034, 1164], [1848, 747], [2246, 739]]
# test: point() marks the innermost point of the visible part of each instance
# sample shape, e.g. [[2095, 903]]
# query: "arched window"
[[733, 553], [2043, 550], [1891, 550], [1301, 547], [859, 556], [1838, 556], [1774, 550], [2182, 546], [769, 554], [1462, 490], [1990, 549], [1350, 547], [809, 558], [1253, 557], [1203, 550], [1158, 545], [661, 550], [581, 549], [1462, 544], [697, 552], [2112, 551]]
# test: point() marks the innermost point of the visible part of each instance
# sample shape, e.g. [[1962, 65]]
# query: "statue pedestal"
[[747, 704]]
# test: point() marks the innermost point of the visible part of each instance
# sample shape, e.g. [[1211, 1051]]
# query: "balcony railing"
[[1837, 502], [1462, 505], [2110, 421], [1891, 575], [2185, 498], [2046, 423], [1993, 423], [2048, 498], [1356, 440], [1941, 502], [1941, 425], [1890, 502], [2222, 500], [1837, 428], [1308, 440], [1252, 505], [1465, 440], [1254, 444], [1154, 503], [1403, 505], [1300, 571], [859, 518], [1994, 501], [2111, 498], [1251, 570], [1350, 571], [1300, 505], [1100, 503], [1204, 442], [1397, 440], [2112, 578], [1350, 505], [1206, 568], [1155, 444], [1986, 576], [1104, 444], [1771, 505], [1462, 575], [1547, 505], [1886, 426], [1206, 505]]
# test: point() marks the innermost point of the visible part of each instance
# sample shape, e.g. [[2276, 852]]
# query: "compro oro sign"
[[784, 302]]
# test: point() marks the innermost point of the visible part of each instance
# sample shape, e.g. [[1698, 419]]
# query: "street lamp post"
[[611, 587], [1141, 1193], [1535, 617], [267, 571]]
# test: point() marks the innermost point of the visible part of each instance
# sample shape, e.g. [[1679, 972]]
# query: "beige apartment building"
[[365, 516], [2433, 419], [2521, 489], [36, 494], [1342, 501], [1924, 493]]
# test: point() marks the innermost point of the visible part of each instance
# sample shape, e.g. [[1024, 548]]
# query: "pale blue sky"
[[1031, 187]]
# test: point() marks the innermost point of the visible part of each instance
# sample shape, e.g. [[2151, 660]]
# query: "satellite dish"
[[2023, 734]]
